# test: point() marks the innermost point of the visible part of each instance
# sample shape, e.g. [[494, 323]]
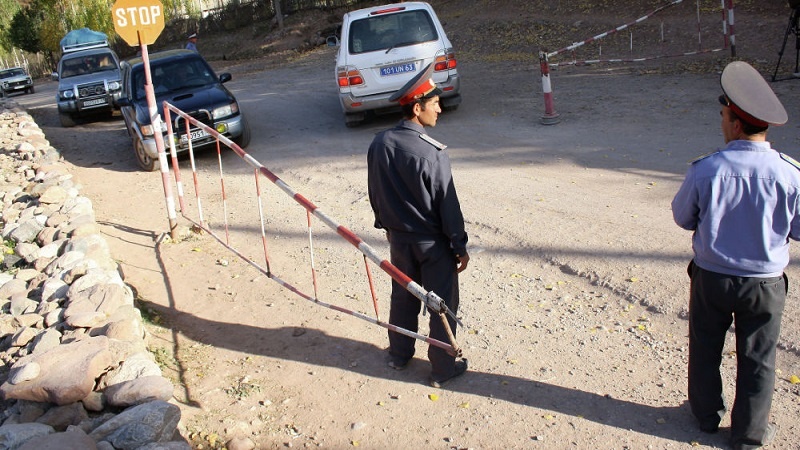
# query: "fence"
[[551, 117], [433, 302]]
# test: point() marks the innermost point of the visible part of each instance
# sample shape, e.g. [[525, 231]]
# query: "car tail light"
[[446, 61], [350, 77]]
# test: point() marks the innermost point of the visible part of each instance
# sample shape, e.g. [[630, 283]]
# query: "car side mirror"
[[332, 41], [225, 77], [54, 76]]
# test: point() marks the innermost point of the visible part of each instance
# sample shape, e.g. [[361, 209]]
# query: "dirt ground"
[[574, 303]]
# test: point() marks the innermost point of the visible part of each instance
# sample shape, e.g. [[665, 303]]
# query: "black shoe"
[[769, 435], [398, 365], [461, 367], [709, 428]]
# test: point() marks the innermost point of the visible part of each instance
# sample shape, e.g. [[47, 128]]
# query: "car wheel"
[[244, 140], [142, 158], [66, 120], [31, 90]]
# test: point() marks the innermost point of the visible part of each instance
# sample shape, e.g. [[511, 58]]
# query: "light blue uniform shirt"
[[742, 204]]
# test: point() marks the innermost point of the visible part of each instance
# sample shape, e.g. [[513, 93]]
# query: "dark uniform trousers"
[[429, 261], [756, 305]]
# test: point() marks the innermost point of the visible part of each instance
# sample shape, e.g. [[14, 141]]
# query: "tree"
[[276, 6], [9, 8], [24, 30]]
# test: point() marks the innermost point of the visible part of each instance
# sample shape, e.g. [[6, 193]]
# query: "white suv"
[[383, 47]]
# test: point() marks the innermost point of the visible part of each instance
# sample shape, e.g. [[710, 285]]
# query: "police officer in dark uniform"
[[412, 194], [742, 204]]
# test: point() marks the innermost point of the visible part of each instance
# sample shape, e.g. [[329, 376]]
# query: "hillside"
[[514, 32]]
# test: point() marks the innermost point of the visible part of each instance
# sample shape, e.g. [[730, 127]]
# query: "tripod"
[[791, 29]]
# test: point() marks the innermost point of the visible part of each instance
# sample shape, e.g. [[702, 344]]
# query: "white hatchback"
[[381, 48]]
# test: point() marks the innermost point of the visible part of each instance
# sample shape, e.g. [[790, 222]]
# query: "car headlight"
[[149, 130], [225, 111], [113, 85], [67, 94]]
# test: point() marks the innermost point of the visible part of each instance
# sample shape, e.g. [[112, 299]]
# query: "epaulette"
[[704, 156], [432, 141], [790, 160]]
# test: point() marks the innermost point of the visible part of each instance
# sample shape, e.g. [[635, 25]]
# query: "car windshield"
[[384, 32], [11, 73], [173, 76], [82, 65]]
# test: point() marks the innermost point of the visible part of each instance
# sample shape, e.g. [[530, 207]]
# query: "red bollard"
[[550, 117]]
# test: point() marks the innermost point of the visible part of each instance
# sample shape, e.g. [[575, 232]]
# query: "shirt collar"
[[741, 144], [411, 126]]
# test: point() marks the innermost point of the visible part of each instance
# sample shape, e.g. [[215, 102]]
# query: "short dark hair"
[[748, 128], [408, 108]]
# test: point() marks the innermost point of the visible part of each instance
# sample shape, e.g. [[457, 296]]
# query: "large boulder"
[[67, 372]]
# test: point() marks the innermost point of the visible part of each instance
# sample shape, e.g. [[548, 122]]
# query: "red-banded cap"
[[750, 97], [421, 86]]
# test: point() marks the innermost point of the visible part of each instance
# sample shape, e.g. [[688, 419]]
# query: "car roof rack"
[[84, 46]]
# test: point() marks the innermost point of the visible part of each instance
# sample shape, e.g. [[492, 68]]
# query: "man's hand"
[[463, 260]]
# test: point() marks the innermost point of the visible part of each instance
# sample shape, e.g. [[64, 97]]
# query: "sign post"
[[139, 22]]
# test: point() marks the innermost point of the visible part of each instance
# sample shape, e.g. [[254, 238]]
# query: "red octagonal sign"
[[138, 21]]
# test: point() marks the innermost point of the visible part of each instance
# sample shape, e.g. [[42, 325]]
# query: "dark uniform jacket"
[[411, 186]]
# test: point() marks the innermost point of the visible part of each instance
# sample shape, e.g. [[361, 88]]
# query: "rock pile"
[[77, 373]]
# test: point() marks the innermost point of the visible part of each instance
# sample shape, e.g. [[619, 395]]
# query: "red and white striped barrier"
[[727, 7], [632, 60], [429, 298], [551, 117]]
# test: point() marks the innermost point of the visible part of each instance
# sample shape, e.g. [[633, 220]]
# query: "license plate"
[[398, 69], [194, 135], [98, 101]]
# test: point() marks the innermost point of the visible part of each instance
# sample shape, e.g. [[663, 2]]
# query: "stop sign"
[[135, 18]]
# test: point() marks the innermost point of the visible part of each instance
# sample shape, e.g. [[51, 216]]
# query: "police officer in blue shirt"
[[191, 43], [413, 198], [743, 205]]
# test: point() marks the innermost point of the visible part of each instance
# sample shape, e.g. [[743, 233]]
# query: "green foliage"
[[42, 23], [9, 8], [179, 8], [23, 31], [63, 16], [8, 247], [242, 389]]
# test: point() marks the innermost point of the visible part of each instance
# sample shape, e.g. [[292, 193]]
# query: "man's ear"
[[417, 108], [737, 125]]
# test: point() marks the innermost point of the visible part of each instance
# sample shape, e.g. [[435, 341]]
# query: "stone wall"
[[76, 373]]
